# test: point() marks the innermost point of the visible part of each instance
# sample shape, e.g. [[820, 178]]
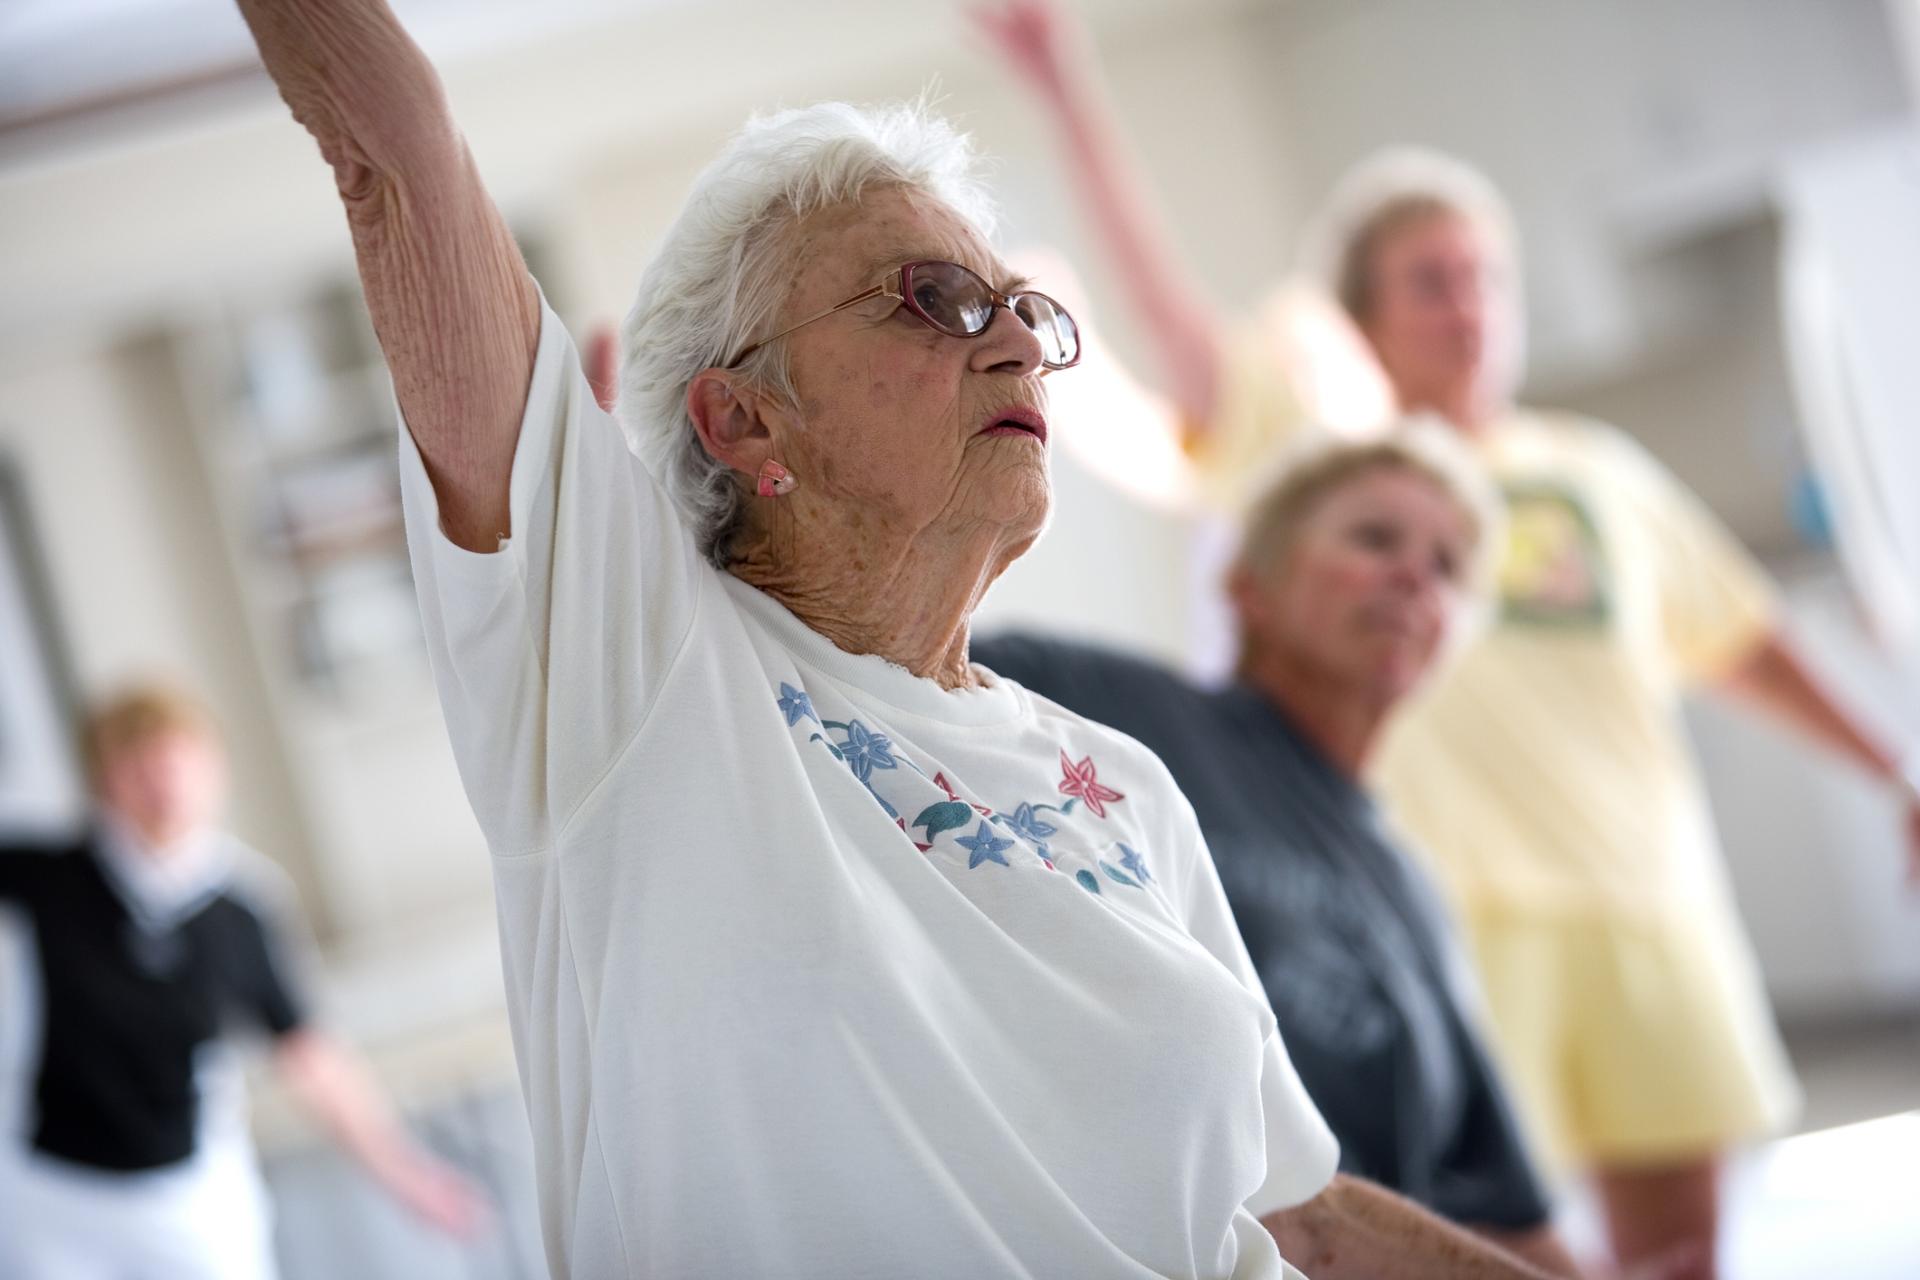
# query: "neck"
[[1469, 409], [153, 839], [908, 600], [1343, 721]]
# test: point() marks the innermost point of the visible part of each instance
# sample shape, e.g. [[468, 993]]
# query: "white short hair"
[[1344, 232], [718, 282]]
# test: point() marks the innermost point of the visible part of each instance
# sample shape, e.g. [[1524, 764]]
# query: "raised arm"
[[1772, 679], [1048, 50], [455, 310], [336, 1088]]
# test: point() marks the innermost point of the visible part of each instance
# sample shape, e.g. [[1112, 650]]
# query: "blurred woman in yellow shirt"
[[1548, 773]]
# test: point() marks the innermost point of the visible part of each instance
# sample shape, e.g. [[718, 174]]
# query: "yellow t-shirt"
[[1546, 769]]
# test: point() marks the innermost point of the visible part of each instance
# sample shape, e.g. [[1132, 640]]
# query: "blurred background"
[[1720, 208]]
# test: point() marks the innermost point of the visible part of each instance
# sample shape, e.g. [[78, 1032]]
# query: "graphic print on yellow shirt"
[[1555, 571]]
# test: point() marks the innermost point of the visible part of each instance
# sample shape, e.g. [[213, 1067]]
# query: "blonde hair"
[[1320, 464], [1391, 191], [138, 714]]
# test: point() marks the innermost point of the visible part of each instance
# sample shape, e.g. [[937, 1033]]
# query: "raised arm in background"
[[1048, 49], [1773, 680], [335, 1087], [456, 312]]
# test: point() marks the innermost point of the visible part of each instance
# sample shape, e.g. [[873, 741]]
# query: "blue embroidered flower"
[[984, 846], [864, 751], [1135, 863], [1025, 822], [794, 703]]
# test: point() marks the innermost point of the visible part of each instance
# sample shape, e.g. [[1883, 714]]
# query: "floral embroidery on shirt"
[[1025, 821], [1081, 783], [984, 846], [947, 815], [866, 751], [795, 705], [940, 781]]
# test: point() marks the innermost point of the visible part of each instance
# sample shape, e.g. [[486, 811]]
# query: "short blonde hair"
[[1398, 188], [1322, 463], [138, 714]]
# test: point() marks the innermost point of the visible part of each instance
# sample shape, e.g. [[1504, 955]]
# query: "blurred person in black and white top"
[[155, 938]]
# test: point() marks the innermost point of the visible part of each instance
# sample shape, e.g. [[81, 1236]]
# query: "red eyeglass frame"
[[896, 286]]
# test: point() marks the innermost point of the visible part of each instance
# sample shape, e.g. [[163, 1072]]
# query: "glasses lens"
[[951, 298], [1059, 336]]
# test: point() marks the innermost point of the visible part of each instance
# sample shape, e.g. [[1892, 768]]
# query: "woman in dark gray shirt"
[[1359, 571]]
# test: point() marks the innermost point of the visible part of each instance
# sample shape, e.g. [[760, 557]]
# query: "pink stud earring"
[[775, 480]]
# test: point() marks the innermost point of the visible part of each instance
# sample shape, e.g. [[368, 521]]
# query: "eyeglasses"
[[953, 300]]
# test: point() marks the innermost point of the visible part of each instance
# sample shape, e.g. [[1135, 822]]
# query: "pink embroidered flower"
[[1080, 783], [902, 824], [940, 781]]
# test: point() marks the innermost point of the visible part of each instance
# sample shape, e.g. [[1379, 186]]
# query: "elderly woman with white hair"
[[1362, 569], [1549, 773], [793, 991]]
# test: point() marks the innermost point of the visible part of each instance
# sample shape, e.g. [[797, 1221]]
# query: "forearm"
[[336, 1090], [1539, 1246], [456, 313], [1773, 679], [1355, 1230], [1125, 217]]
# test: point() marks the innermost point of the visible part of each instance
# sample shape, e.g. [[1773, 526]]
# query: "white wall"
[[137, 567]]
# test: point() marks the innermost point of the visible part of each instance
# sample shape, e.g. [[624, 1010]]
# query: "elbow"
[[1304, 1233]]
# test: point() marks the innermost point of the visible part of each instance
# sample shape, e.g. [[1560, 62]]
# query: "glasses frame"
[[895, 286]]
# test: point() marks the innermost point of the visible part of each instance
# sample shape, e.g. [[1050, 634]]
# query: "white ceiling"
[[62, 58]]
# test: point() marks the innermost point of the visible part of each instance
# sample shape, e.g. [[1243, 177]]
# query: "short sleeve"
[[1302, 1153], [265, 950], [549, 651], [27, 869], [1486, 1177], [1257, 410], [1715, 601], [268, 985]]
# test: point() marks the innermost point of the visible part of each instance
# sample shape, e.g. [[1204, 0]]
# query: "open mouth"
[[1018, 422]]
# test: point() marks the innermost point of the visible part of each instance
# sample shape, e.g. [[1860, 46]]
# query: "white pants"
[[206, 1219]]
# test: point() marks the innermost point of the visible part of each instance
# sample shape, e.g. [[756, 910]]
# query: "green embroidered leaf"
[[945, 816], [1087, 881], [1115, 873]]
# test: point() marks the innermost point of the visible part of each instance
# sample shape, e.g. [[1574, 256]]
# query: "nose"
[[1410, 574], [1007, 346]]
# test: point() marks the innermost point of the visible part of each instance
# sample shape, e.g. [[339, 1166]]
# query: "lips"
[[1018, 422]]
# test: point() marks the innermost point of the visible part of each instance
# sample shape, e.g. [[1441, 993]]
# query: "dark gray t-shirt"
[[1349, 938]]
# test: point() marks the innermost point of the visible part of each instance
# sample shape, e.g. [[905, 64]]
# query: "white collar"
[[160, 888]]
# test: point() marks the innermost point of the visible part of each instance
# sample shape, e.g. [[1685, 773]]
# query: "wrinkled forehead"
[[1404, 493], [839, 251]]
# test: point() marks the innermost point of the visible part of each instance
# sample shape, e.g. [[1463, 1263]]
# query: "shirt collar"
[[161, 888]]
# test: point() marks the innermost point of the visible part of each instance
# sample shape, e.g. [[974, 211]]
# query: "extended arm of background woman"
[[457, 314], [1045, 47]]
